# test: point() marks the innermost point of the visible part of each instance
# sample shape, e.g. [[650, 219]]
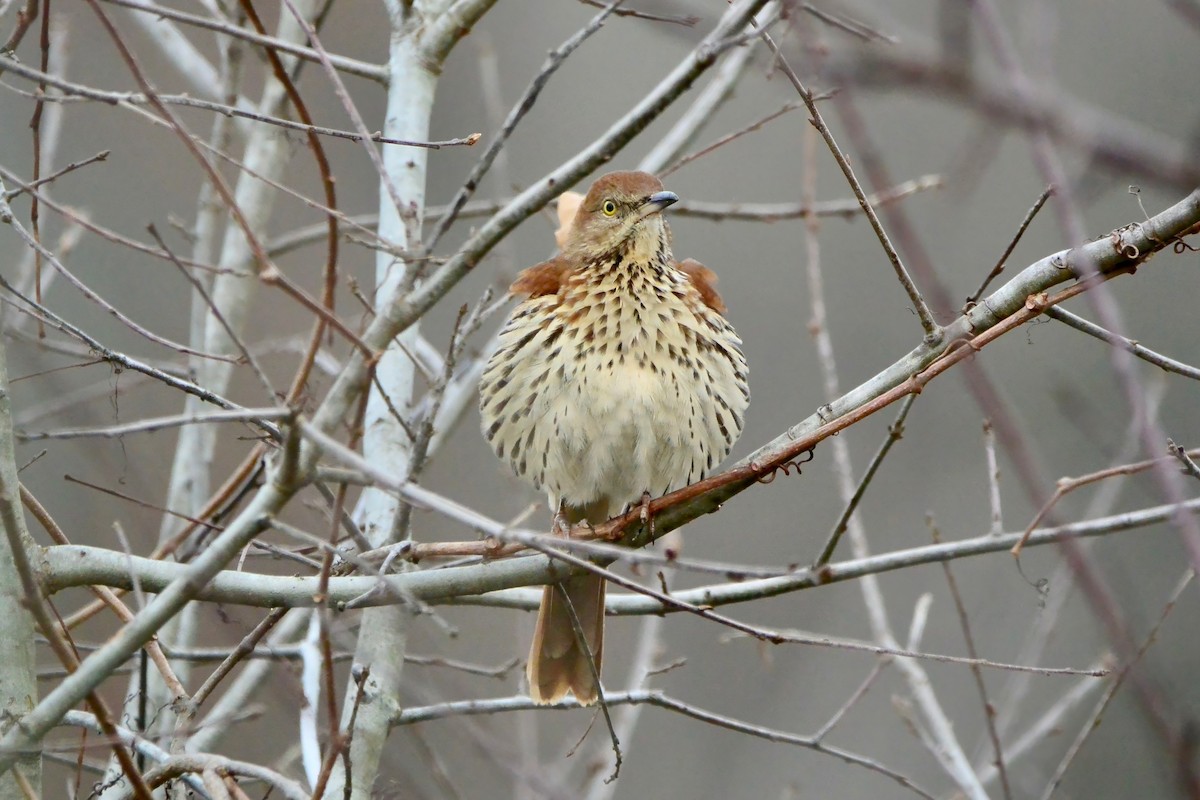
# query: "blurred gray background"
[[1134, 61]]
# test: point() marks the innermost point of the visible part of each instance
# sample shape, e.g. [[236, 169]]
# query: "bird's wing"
[[542, 279], [704, 280]]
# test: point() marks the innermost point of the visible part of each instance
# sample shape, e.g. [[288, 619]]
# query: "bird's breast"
[[621, 390]]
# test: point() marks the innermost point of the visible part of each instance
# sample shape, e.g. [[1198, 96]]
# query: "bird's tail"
[[558, 662]]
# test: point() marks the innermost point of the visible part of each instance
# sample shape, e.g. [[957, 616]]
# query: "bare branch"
[[79, 565], [1165, 363], [410, 716]]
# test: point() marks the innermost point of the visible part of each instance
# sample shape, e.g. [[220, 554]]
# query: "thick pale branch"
[[75, 565], [18, 677], [97, 667]]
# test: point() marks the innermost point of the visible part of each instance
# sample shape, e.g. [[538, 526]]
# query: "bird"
[[616, 378]]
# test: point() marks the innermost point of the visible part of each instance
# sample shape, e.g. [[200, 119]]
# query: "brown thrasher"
[[616, 378]]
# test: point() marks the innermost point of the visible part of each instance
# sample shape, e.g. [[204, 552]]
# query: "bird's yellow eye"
[[608, 207]]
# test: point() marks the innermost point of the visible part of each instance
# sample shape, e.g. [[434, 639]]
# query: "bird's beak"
[[656, 203]]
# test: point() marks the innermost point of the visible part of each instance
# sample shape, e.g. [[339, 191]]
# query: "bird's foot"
[[559, 525], [645, 515]]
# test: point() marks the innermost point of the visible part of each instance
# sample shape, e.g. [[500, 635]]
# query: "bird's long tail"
[[558, 662]]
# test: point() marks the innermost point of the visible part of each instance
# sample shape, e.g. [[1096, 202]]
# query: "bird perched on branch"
[[617, 378]]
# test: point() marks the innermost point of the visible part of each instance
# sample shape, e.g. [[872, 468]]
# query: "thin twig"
[[553, 61], [703, 108], [1065, 486], [69, 88], [851, 26], [160, 423], [1047, 726], [117, 358], [246, 646], [698, 209], [993, 477], [895, 433], [32, 241], [1046, 622], [198, 287], [12, 521], [1097, 714], [349, 65], [686, 21], [758, 124], [268, 272], [948, 752], [178, 765], [852, 700], [642, 667], [417, 714], [932, 331], [133, 740], [12, 194], [1111, 143], [589, 657], [1012, 245], [26, 16], [106, 595], [1129, 345], [674, 601], [1185, 458], [989, 711], [464, 326]]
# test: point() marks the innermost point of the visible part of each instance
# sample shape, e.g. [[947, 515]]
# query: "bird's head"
[[621, 214]]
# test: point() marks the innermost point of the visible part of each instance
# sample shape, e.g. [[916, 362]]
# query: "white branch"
[[144, 747], [189, 62], [77, 565], [18, 673]]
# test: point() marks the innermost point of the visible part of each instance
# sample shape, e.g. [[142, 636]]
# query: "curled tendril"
[[787, 467], [1177, 244], [1127, 249]]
